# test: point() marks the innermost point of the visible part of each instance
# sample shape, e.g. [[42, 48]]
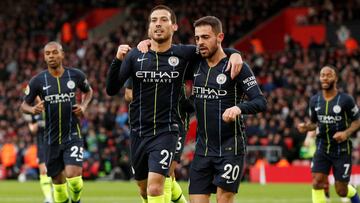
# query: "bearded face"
[[328, 78]]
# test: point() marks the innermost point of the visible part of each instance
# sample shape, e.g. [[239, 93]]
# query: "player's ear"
[[175, 27], [220, 37], [62, 54]]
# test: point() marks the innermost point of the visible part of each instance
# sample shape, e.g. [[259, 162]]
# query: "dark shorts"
[[208, 173], [180, 144], [340, 163], [40, 146], [152, 154], [58, 156]]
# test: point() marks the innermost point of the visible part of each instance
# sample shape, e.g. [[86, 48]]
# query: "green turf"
[[118, 192]]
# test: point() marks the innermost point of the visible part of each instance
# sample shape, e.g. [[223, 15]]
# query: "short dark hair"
[[54, 43], [163, 7], [333, 68], [213, 21]]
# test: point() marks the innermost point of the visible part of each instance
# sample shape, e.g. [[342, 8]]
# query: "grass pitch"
[[126, 192]]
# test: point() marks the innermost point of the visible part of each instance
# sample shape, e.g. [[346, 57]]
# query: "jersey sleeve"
[[118, 73], [83, 83], [31, 91], [352, 110], [312, 112], [256, 100]]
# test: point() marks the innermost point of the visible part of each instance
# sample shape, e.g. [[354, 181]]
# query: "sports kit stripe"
[[60, 122]]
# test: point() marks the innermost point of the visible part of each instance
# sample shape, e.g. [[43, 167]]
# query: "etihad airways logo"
[[157, 76], [208, 93], [329, 119], [59, 98]]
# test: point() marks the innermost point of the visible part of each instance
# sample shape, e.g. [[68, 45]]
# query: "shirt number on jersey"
[[347, 167], [179, 145], [234, 171], [165, 162], [77, 152]]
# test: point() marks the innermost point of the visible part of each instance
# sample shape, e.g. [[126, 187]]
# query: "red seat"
[[264, 141]]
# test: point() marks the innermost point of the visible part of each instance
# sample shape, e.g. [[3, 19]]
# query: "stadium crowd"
[[329, 11], [287, 78]]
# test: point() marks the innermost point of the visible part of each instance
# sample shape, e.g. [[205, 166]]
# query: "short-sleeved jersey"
[[59, 94], [214, 91], [333, 116], [157, 80]]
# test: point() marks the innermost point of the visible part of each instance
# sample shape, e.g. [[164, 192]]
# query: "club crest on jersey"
[[221, 78], [27, 90], [337, 109], [355, 110], [70, 84], [173, 61]]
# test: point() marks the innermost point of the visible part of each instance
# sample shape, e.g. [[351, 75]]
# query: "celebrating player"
[[56, 88], [157, 80], [337, 117], [219, 103]]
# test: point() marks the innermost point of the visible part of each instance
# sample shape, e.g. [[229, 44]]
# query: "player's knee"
[[341, 191], [155, 189], [225, 197], [73, 172], [142, 187], [318, 184], [143, 192]]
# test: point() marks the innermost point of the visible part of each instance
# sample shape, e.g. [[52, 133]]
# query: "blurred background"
[[285, 42]]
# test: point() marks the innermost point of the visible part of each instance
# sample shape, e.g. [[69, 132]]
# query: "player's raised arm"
[[119, 71]]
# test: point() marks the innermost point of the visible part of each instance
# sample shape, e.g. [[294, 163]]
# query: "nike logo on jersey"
[[317, 108], [46, 87], [230, 182], [197, 74], [141, 59]]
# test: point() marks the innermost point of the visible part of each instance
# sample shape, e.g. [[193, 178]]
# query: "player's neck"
[[56, 72], [329, 94], [160, 47], [216, 58]]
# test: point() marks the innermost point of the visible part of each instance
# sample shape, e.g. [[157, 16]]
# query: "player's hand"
[[78, 110], [144, 45], [123, 49], [340, 136], [38, 108], [230, 114], [235, 65]]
